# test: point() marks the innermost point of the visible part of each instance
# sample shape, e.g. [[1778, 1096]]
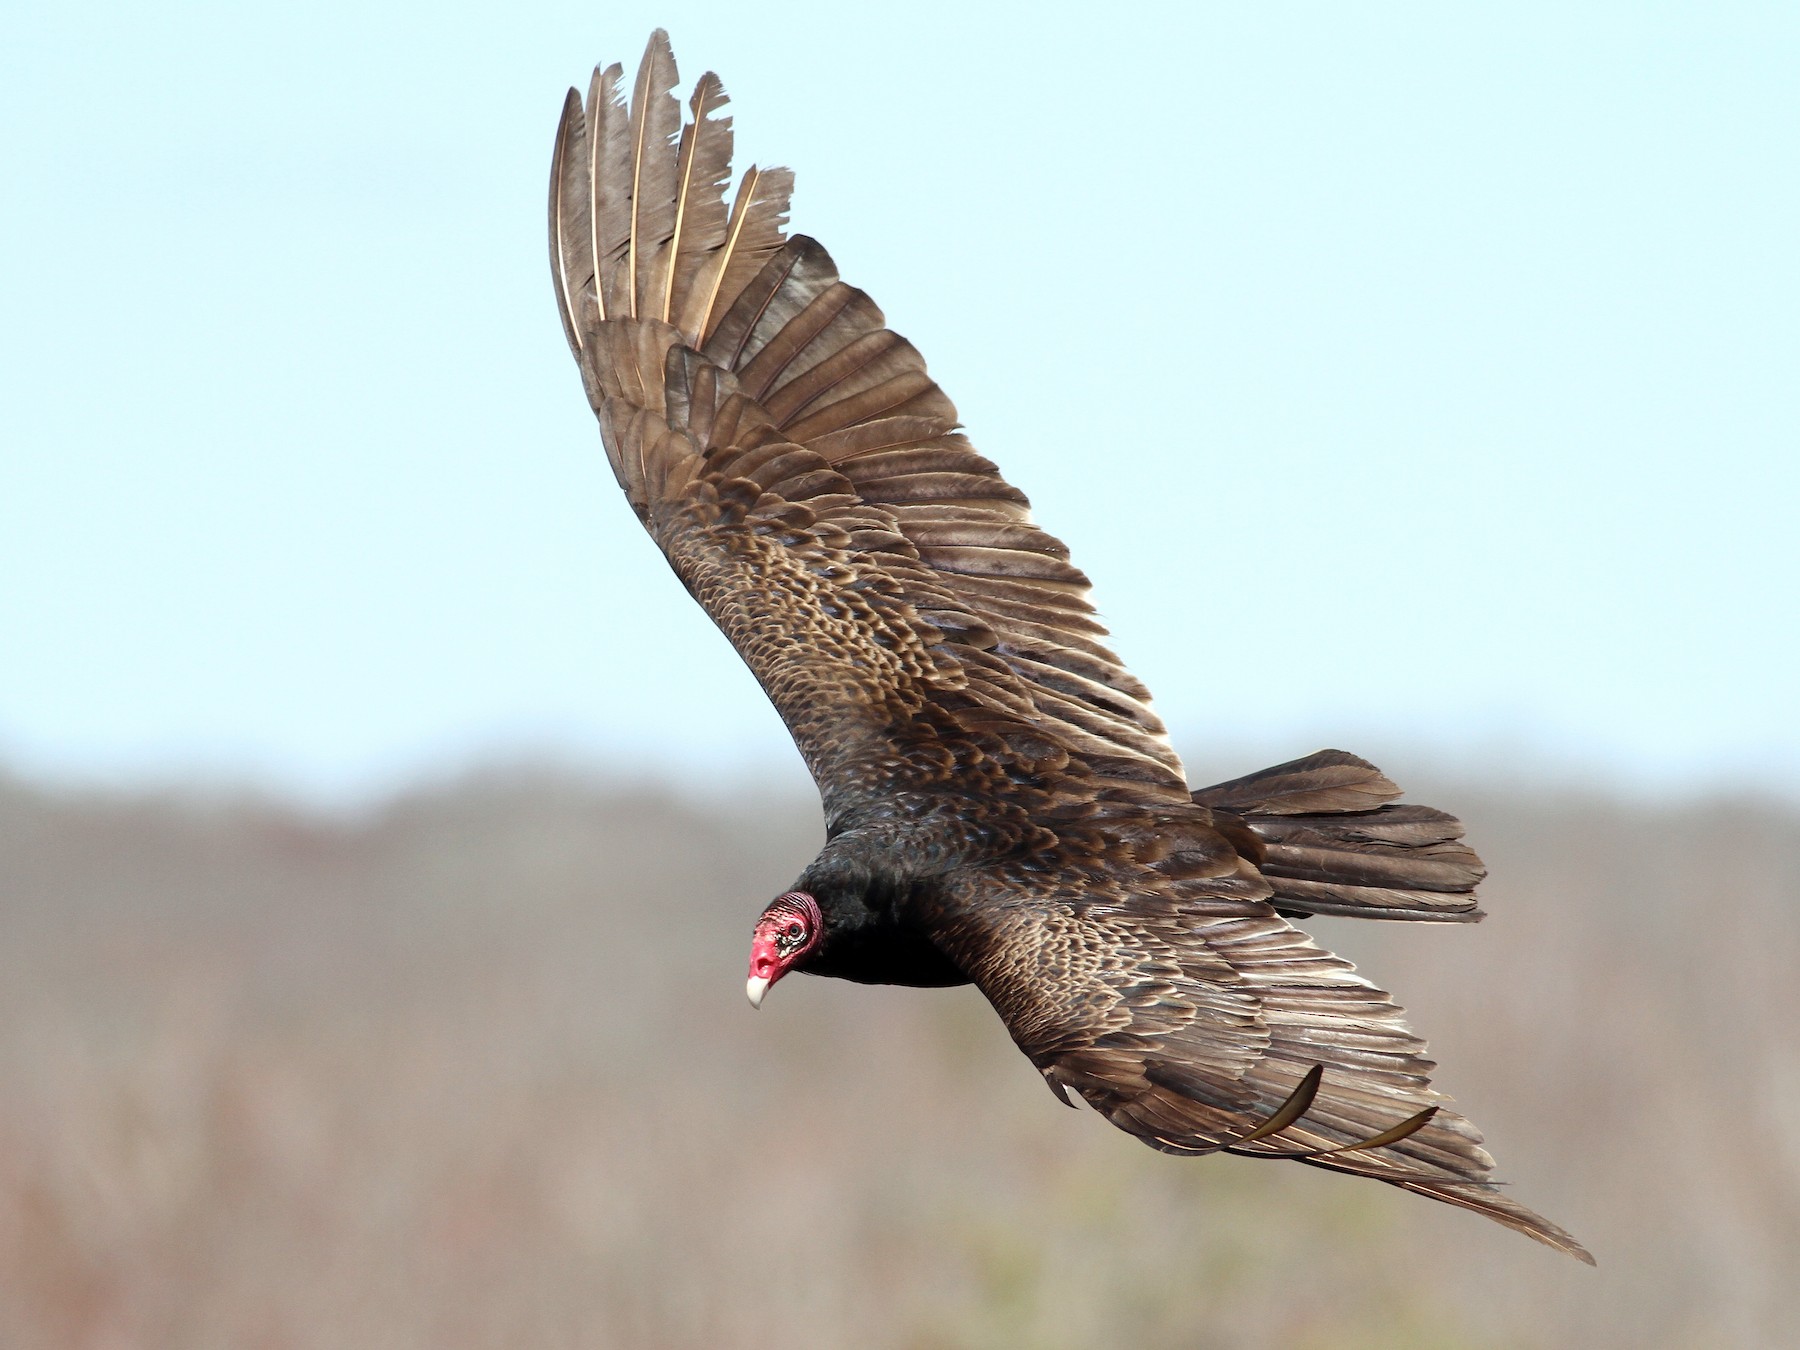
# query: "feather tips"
[[755, 230], [703, 168], [638, 223]]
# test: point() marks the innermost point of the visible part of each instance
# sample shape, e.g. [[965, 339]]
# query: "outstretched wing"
[[1203, 1023], [805, 477]]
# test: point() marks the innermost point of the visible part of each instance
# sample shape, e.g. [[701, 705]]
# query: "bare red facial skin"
[[787, 931]]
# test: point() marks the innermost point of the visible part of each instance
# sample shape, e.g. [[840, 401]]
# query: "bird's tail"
[[1327, 833]]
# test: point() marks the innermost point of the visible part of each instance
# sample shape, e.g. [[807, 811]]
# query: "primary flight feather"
[[1002, 806]]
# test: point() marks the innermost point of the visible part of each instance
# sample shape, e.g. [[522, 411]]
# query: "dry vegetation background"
[[477, 1070]]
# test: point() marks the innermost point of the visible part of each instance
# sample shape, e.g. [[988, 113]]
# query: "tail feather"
[[1326, 833]]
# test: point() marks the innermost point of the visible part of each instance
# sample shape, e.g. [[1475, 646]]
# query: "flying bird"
[[1002, 806]]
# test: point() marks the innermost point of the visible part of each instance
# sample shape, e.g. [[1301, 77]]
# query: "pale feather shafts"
[[639, 225]]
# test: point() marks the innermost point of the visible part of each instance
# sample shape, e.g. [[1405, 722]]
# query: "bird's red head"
[[787, 932]]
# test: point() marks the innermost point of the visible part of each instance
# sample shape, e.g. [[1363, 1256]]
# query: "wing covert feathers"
[[640, 234], [1207, 1028]]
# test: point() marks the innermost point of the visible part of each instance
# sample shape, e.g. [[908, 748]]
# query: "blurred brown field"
[[476, 1070]]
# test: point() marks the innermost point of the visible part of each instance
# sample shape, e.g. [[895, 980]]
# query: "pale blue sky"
[[1410, 378]]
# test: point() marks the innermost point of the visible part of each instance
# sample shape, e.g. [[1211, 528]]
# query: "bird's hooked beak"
[[765, 968]]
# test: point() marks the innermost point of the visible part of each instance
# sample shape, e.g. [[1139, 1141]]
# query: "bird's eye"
[[795, 932]]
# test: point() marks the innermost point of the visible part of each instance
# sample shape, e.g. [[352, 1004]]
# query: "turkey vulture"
[[1002, 807]]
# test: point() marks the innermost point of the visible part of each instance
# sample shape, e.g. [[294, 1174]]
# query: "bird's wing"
[[1160, 987], [804, 474]]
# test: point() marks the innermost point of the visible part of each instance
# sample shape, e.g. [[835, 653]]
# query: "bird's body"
[[1002, 806]]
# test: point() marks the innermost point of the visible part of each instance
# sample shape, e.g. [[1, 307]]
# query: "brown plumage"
[[1002, 805]]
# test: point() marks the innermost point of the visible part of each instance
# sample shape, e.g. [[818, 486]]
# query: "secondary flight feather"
[[1002, 805]]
